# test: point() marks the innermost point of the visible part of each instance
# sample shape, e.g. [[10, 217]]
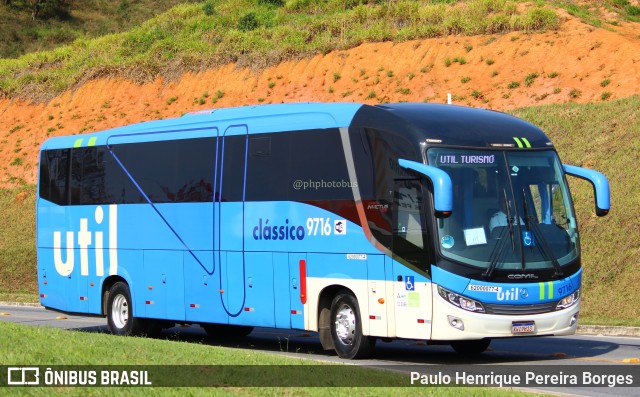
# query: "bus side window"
[[54, 176]]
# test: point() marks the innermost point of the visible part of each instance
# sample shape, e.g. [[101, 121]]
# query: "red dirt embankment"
[[576, 63]]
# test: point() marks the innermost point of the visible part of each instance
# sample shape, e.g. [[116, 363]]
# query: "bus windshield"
[[511, 210]]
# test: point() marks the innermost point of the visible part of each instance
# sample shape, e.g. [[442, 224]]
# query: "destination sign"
[[444, 159]]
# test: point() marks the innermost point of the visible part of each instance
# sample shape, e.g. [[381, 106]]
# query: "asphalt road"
[[582, 351]]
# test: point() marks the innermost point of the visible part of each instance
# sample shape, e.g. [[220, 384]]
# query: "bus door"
[[228, 220], [412, 287]]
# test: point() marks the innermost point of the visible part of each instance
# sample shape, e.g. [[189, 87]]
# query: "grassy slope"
[[17, 245], [255, 34], [47, 346], [88, 18], [603, 136]]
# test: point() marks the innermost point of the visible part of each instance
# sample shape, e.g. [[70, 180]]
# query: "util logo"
[[88, 239]]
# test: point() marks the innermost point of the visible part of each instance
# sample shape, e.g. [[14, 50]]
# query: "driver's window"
[[409, 230], [409, 219]]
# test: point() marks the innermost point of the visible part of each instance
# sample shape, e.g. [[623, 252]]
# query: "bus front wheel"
[[120, 311], [346, 328]]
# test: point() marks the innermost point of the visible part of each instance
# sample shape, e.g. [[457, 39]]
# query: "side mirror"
[[600, 186], [442, 187]]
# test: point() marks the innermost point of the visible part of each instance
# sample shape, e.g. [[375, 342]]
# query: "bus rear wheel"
[[470, 347], [346, 328], [120, 311]]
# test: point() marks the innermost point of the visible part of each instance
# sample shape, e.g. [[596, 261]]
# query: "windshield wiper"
[[535, 231], [498, 250]]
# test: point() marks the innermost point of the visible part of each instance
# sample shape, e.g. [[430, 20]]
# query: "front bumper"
[[482, 325]]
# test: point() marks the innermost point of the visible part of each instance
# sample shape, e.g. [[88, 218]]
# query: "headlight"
[[569, 300], [461, 301]]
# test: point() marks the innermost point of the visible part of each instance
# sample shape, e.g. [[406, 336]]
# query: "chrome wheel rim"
[[345, 324], [120, 311]]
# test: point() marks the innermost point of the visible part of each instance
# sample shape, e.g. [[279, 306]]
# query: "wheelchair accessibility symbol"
[[527, 238], [409, 283]]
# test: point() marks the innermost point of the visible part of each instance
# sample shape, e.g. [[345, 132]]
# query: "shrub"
[[634, 11], [530, 79], [209, 8], [248, 22], [277, 3]]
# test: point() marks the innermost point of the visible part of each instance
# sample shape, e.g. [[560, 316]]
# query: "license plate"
[[523, 327]]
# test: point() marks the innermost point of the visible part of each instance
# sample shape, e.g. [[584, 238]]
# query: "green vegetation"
[[254, 34], [47, 346], [59, 22], [575, 93], [17, 243], [595, 12], [602, 136], [530, 78], [599, 135]]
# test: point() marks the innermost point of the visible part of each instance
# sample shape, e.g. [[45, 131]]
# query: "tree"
[[44, 9], [41, 9]]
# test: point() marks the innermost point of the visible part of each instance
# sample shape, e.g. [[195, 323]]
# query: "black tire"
[[346, 328], [120, 316], [470, 347], [226, 331]]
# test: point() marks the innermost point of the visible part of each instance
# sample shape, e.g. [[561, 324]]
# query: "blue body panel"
[[511, 293], [175, 273]]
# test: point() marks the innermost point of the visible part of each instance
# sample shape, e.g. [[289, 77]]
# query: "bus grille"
[[520, 309]]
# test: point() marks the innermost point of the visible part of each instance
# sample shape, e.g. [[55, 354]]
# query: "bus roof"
[[260, 118], [470, 127], [437, 123]]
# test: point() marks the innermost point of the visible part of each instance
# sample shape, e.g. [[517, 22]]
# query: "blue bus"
[[421, 221]]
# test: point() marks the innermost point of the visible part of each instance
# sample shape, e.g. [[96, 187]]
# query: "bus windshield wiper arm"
[[499, 248], [536, 232], [510, 221]]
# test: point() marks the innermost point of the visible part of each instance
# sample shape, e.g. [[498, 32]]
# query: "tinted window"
[[233, 165], [54, 175], [298, 166], [171, 171], [103, 179], [384, 148]]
